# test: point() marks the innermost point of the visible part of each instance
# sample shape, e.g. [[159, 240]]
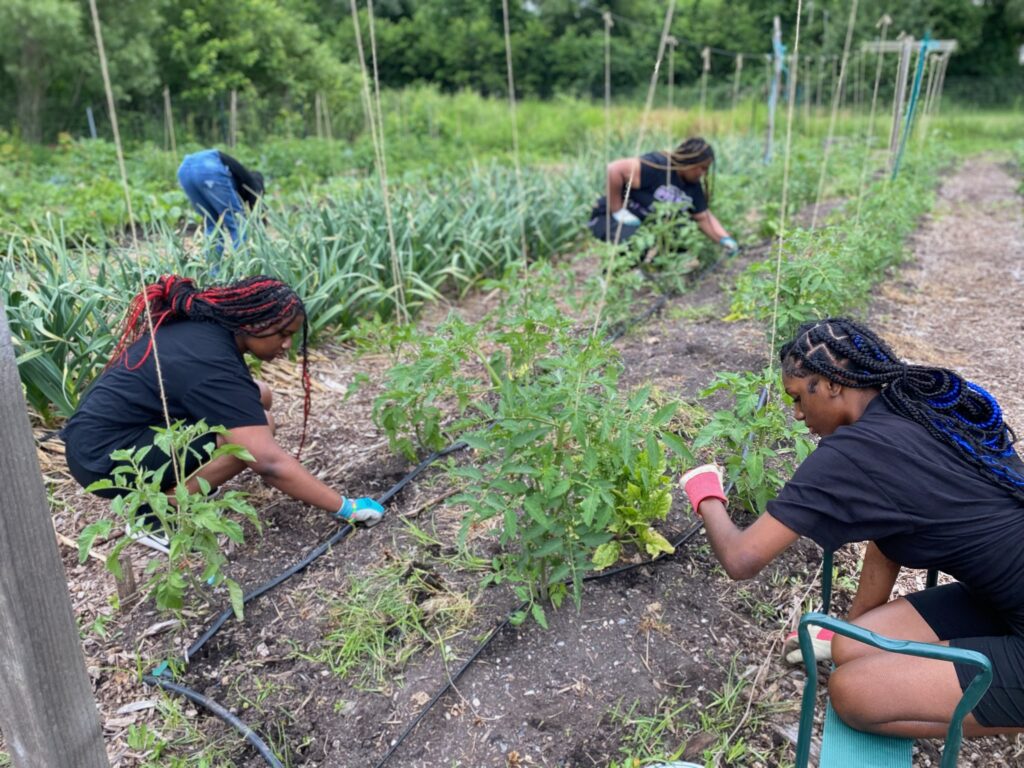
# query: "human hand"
[[363, 510], [625, 218], [704, 482], [730, 245]]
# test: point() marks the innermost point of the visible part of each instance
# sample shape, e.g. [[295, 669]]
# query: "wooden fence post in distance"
[[47, 712]]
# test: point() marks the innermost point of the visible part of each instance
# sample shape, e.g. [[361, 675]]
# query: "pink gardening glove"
[[704, 482]]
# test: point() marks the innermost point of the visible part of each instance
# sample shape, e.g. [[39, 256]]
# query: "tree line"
[[281, 56]]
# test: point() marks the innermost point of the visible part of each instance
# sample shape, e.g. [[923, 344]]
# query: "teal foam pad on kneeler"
[[845, 747]]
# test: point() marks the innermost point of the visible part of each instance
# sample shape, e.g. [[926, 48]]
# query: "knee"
[[844, 649], [266, 396], [848, 698]]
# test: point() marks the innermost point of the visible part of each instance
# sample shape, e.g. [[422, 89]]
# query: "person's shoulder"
[[655, 157]]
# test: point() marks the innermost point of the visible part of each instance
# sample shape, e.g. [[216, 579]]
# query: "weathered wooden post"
[[773, 88], [47, 712]]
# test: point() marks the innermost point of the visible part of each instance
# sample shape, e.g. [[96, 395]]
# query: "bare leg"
[[895, 694], [896, 619], [901, 695]]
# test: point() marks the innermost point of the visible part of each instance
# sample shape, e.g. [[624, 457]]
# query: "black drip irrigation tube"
[[158, 676], [688, 534]]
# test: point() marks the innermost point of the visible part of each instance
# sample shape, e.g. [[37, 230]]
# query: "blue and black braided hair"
[[956, 411]]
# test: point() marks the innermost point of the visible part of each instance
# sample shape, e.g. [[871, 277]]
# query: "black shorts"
[[197, 456], [954, 614]]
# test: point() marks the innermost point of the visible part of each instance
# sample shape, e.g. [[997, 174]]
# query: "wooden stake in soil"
[[169, 124], [47, 711], [705, 55], [735, 92], [233, 119]]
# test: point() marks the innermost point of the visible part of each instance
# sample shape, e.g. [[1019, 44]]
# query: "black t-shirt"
[[205, 377], [657, 185], [886, 479]]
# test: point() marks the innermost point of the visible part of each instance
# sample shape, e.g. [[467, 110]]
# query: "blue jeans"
[[211, 190]]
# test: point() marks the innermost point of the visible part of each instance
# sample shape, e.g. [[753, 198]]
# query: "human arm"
[[619, 173], [877, 577], [743, 552], [710, 226], [281, 470]]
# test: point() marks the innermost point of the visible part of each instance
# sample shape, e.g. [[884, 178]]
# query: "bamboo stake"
[[169, 123], [233, 119]]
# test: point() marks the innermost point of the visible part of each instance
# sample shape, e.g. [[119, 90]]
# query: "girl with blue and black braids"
[[918, 462]]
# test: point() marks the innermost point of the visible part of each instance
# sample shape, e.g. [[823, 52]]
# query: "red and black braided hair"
[[954, 410], [255, 306]]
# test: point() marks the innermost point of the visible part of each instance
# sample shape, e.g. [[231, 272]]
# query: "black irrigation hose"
[[688, 534], [318, 551], [218, 710], [204, 701], [345, 530]]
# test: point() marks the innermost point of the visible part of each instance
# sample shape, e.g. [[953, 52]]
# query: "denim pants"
[[211, 190]]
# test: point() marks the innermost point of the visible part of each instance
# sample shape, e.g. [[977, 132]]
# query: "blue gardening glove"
[[364, 510], [730, 245]]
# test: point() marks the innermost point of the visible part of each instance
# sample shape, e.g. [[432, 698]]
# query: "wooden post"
[[671, 42], [899, 97], [327, 117], [47, 712], [169, 137], [705, 55], [233, 119], [317, 116], [92, 122], [773, 92], [735, 91]]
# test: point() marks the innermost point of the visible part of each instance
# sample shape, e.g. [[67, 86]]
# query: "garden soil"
[[673, 637]]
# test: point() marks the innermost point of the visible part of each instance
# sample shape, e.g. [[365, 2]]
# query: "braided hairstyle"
[[256, 306], [693, 151], [956, 411]]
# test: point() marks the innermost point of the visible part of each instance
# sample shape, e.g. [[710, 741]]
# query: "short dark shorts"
[[155, 459], [954, 614]]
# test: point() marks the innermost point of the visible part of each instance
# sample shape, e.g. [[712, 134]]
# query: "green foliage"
[[381, 621], [763, 445], [833, 269], [193, 522], [571, 467]]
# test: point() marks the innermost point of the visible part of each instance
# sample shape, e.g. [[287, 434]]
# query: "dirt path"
[[960, 303]]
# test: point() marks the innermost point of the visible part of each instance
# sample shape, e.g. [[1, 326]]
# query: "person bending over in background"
[[918, 462], [679, 177], [217, 185], [201, 337]]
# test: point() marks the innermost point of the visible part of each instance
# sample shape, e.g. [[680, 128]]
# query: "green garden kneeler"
[[845, 747]]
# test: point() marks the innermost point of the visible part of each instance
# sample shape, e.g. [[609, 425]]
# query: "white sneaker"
[[151, 539]]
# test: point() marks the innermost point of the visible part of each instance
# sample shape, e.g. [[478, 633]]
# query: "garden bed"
[[658, 659]]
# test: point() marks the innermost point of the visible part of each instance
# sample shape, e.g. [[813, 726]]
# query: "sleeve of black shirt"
[[696, 193], [248, 184], [831, 500]]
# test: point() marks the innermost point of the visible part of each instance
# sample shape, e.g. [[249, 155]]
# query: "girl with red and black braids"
[[201, 337], [918, 462]]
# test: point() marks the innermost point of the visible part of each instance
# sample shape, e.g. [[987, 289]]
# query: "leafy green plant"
[[192, 521], [761, 444], [573, 468]]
